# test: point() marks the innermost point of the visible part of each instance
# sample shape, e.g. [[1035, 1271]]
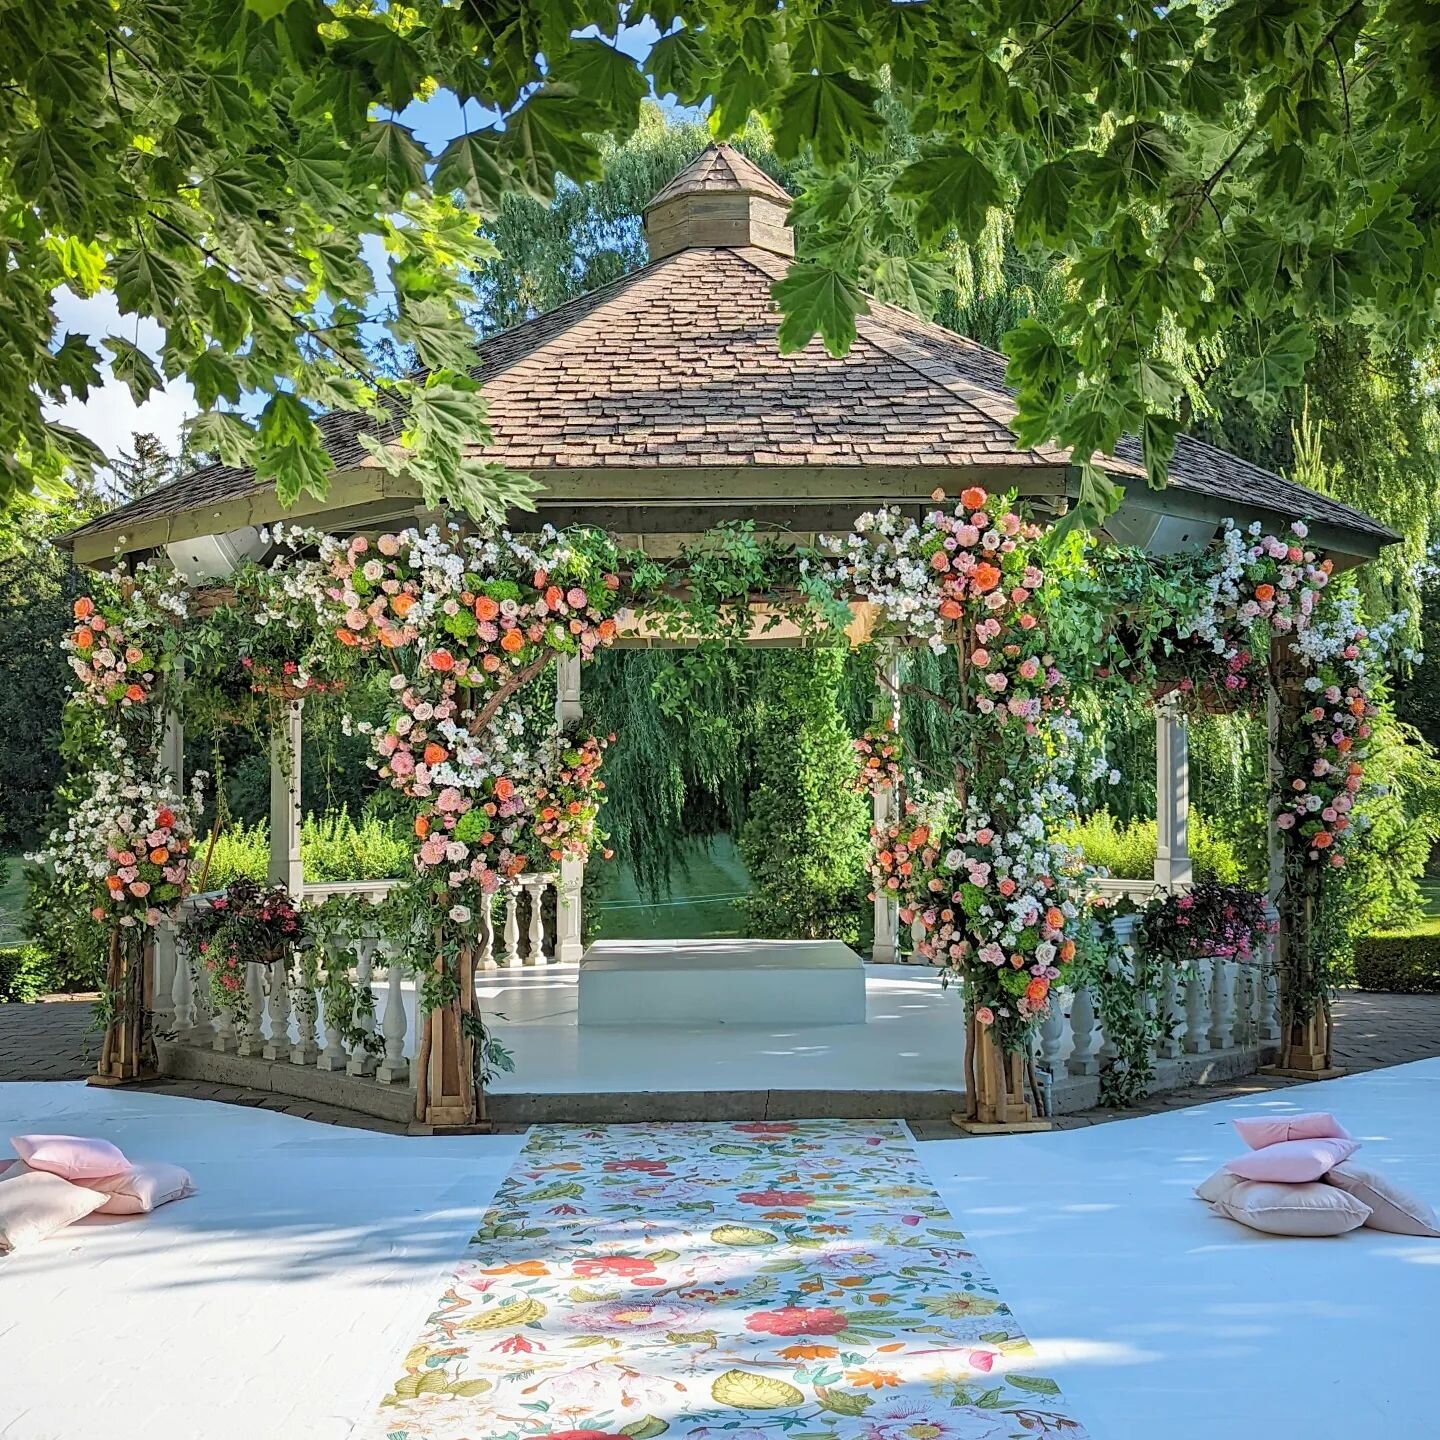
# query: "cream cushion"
[[149, 1183], [1218, 1186], [1391, 1208], [1280, 1208], [35, 1204]]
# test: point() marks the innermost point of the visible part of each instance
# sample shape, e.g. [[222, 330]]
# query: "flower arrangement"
[[881, 759], [965, 578], [123, 643], [1227, 922], [249, 924], [129, 842]]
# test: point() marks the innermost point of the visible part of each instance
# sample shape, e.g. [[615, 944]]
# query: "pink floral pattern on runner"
[[720, 1282]]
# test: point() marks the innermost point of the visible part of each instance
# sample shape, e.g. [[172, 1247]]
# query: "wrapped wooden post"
[[1305, 1038], [127, 1052], [448, 1092], [995, 1099]]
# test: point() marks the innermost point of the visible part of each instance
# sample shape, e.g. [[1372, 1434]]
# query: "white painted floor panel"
[[278, 1300]]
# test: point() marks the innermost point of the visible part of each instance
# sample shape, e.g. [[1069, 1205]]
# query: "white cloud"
[[109, 416]]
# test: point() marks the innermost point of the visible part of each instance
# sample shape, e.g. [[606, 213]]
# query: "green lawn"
[[1430, 889], [12, 899], [700, 906]]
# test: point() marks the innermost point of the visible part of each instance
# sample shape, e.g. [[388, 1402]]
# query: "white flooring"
[[278, 1300]]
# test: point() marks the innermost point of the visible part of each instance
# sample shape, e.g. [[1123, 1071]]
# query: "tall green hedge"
[[1407, 964], [804, 839]]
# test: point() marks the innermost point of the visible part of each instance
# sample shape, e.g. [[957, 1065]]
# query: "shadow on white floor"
[[278, 1300]]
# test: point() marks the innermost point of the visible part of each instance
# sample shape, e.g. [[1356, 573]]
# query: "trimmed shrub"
[[26, 973], [1407, 964], [332, 848], [1128, 851]]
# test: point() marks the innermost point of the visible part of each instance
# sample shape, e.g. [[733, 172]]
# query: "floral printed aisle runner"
[[720, 1282]]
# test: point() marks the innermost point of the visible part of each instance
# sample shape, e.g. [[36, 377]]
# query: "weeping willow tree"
[[685, 725]]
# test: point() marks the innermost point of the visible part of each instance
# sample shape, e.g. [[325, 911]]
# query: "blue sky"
[[110, 417]]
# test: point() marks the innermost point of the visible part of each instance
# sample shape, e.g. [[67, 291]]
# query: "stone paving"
[[55, 1040]]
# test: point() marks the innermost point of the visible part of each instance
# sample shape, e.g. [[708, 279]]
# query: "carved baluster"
[[1171, 1013], [512, 926], [536, 955], [333, 1056], [1269, 1005], [202, 1032], [182, 994], [394, 1069], [485, 952], [1222, 981], [305, 1050], [277, 1007], [1052, 1036], [252, 1033], [223, 1027], [162, 1005], [1083, 1060], [362, 1057], [1197, 1008]]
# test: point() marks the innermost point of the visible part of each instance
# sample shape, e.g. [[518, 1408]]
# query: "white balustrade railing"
[[1203, 1008], [361, 1024]]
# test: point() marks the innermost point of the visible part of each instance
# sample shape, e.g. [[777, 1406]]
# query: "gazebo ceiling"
[[660, 403]]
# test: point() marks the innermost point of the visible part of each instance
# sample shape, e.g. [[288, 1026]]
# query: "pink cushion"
[[72, 1157], [150, 1183], [1295, 1161], [1292, 1209], [1257, 1134], [1391, 1208], [35, 1203]]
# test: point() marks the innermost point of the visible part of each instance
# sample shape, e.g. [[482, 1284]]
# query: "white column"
[[884, 807], [1173, 869], [285, 866], [568, 943]]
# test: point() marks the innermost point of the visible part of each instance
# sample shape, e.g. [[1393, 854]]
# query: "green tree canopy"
[[219, 164]]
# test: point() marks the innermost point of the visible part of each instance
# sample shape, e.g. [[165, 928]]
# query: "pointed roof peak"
[[720, 199], [720, 169]]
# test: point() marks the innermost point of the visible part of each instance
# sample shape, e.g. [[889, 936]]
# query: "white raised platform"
[[721, 982]]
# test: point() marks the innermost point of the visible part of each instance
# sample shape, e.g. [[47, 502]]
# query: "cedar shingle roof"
[[720, 168], [677, 367]]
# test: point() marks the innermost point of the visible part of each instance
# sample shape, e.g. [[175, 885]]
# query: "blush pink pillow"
[[71, 1157], [1294, 1161], [1257, 1134], [149, 1184]]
